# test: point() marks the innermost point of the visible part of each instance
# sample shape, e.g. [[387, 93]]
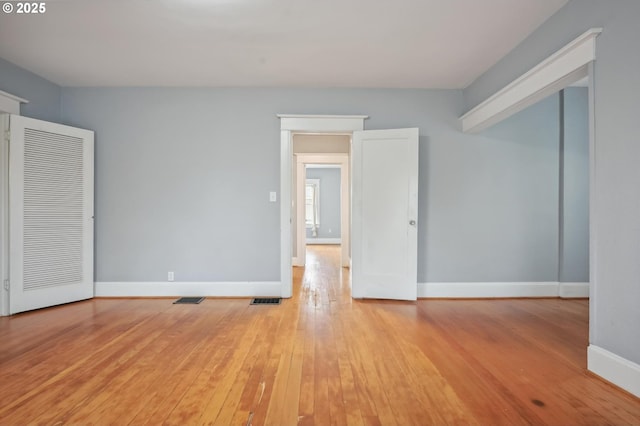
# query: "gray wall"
[[614, 316], [183, 175], [182, 184], [43, 95], [574, 256], [518, 233], [560, 225], [329, 202]]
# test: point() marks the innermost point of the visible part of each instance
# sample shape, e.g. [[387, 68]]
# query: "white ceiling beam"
[[558, 71], [11, 103]]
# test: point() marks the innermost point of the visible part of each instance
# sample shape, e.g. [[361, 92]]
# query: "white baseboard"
[[274, 288], [324, 240], [171, 289], [573, 290], [615, 369], [502, 290]]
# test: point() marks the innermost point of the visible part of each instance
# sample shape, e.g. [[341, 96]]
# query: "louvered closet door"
[[50, 214]]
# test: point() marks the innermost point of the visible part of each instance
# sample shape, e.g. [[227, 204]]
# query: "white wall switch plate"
[[170, 276], [272, 196]]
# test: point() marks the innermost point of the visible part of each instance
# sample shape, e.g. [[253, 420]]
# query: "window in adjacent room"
[[312, 207]]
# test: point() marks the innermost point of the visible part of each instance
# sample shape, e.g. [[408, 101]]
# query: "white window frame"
[[316, 201]]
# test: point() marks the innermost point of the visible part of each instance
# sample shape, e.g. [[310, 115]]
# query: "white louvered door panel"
[[50, 214]]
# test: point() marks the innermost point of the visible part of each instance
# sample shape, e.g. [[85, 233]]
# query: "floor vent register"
[[266, 301], [188, 301]]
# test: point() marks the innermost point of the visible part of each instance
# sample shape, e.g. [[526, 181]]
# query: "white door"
[[50, 214], [385, 214]]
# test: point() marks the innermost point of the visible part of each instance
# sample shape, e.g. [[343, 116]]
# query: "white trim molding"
[[4, 214], [489, 290], [566, 66], [11, 103], [286, 212], [573, 290], [615, 369], [176, 288], [321, 123]]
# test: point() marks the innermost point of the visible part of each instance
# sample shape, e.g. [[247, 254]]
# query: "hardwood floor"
[[320, 358]]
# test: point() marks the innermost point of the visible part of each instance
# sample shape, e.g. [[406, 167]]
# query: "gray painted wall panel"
[[183, 175], [614, 314], [43, 95], [518, 233], [574, 265], [182, 184], [329, 202]]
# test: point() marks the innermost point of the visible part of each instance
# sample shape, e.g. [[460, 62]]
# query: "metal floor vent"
[[188, 301], [266, 301]]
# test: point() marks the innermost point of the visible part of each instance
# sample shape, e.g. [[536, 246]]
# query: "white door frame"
[[290, 123], [4, 216], [343, 161]]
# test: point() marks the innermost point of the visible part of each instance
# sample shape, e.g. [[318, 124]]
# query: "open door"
[[50, 214], [385, 213]]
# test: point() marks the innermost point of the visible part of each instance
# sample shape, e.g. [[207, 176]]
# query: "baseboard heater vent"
[[266, 301], [188, 301]]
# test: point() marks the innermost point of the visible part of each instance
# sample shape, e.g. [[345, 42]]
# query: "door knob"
[[412, 222]]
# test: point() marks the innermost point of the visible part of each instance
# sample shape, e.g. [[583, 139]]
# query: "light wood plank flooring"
[[320, 358]]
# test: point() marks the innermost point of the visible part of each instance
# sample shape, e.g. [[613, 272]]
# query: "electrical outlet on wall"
[[170, 276]]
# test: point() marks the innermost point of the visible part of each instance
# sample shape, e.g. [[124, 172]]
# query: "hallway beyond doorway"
[[322, 279]]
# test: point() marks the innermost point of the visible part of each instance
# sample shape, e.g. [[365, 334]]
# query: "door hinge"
[[6, 285], [7, 135]]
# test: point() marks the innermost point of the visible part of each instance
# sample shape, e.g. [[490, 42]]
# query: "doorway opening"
[[384, 254], [323, 207], [321, 204], [291, 125], [321, 191]]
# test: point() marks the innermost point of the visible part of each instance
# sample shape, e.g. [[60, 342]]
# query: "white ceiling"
[[269, 43]]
